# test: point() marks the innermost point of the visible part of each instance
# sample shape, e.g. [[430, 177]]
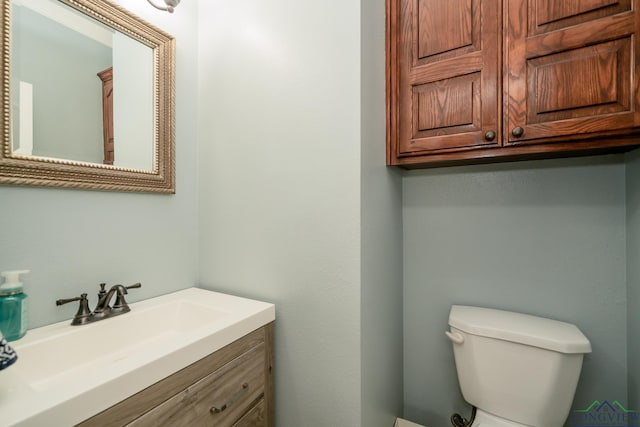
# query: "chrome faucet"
[[102, 310]]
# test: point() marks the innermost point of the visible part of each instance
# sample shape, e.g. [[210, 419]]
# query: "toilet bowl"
[[518, 370]]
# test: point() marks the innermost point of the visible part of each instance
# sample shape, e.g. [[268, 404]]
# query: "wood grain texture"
[[256, 417], [589, 81], [224, 391], [564, 71], [445, 74], [554, 10], [106, 76], [455, 15], [550, 15], [146, 400], [446, 103], [392, 65], [577, 81], [269, 391], [562, 147]]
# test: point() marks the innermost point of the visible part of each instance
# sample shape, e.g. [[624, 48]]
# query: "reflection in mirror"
[[80, 90], [91, 97]]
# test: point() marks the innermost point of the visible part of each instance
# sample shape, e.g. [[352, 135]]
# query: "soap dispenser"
[[13, 306]]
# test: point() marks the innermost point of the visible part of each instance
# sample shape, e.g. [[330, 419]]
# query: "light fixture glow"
[[170, 5]]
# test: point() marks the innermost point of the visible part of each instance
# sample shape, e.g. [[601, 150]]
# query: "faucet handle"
[[134, 286], [68, 300], [83, 313]]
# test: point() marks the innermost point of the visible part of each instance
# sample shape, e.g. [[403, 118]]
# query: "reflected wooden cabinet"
[[232, 387], [106, 76], [470, 81]]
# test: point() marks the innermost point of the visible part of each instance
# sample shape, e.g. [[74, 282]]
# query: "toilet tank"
[[516, 366]]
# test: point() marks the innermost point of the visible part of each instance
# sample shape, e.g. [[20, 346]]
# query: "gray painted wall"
[[633, 276], [381, 217], [545, 238], [72, 240]]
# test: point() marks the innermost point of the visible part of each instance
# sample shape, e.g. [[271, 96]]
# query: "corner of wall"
[[381, 237]]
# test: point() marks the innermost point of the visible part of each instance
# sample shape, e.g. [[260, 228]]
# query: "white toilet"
[[517, 370]]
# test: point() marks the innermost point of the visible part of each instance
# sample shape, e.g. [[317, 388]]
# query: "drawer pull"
[[234, 399]]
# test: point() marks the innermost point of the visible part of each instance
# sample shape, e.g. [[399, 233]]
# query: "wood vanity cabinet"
[[471, 81], [230, 388]]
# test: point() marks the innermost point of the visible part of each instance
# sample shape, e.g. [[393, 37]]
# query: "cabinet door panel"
[[447, 76], [584, 82], [456, 16], [446, 111], [548, 11], [446, 103], [557, 86]]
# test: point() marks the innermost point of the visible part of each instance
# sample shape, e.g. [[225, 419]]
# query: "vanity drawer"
[[186, 397], [254, 418], [219, 399]]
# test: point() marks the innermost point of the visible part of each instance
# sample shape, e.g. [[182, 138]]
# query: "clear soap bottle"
[[13, 306]]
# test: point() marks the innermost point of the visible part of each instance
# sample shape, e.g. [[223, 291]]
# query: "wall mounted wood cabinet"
[[473, 81]]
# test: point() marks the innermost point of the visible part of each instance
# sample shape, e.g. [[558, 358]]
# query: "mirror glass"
[[90, 99], [79, 90]]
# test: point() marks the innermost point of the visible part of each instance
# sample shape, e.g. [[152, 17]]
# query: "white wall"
[[279, 193], [72, 240], [133, 101], [544, 237]]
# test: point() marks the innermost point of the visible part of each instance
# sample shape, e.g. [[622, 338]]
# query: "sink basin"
[[83, 349], [65, 374]]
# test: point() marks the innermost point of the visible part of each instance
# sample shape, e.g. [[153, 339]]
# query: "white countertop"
[[65, 374]]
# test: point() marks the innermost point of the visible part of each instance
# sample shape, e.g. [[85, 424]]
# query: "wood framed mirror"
[[76, 76]]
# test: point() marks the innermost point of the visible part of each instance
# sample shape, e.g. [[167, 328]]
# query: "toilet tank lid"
[[521, 328]]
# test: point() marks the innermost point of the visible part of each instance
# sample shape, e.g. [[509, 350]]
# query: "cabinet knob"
[[490, 135], [517, 132]]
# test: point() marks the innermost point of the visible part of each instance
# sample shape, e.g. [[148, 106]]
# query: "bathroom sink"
[[65, 374], [82, 349]]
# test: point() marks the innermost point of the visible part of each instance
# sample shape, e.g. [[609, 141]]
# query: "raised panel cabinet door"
[[443, 76], [571, 69]]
